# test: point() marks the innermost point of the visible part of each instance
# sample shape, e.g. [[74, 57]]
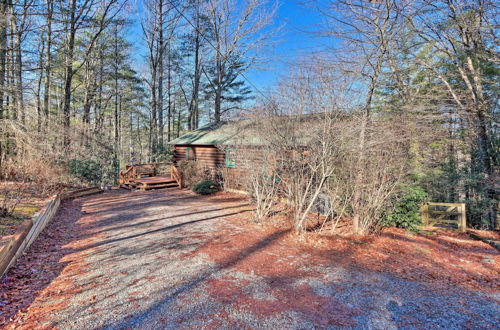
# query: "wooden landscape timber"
[[493, 242], [444, 215], [13, 246], [150, 176], [10, 245], [80, 192]]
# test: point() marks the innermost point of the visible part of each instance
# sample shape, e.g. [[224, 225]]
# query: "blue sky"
[[296, 22], [296, 38]]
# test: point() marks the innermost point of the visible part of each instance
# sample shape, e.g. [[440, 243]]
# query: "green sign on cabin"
[[189, 153], [230, 159]]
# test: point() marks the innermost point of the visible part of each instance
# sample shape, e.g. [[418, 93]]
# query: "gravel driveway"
[[169, 259]]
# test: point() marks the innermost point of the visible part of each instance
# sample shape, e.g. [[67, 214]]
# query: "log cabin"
[[212, 144]]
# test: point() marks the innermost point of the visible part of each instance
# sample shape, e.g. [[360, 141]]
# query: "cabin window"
[[230, 158], [189, 153]]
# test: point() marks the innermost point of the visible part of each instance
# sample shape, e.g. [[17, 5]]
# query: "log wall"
[[211, 156], [215, 159]]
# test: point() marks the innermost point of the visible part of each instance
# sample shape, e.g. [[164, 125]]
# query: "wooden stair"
[[150, 176], [155, 182]]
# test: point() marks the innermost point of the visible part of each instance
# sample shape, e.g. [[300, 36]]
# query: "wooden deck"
[[149, 176]]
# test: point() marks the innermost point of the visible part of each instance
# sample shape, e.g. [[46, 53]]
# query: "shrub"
[[10, 197], [87, 170], [205, 187], [193, 172], [406, 211]]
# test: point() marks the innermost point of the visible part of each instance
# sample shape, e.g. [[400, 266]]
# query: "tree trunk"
[[197, 72], [3, 61], [218, 88], [88, 100], [161, 49], [116, 113], [39, 88], [154, 121], [17, 66], [48, 63], [68, 73], [360, 169], [485, 160], [169, 87]]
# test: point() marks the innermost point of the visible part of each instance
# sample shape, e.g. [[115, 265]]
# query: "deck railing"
[[176, 175], [136, 171]]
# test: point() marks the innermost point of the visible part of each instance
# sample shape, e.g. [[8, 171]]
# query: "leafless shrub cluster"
[[193, 172], [10, 197], [313, 157], [225, 178], [258, 176], [315, 146], [45, 164], [384, 168]]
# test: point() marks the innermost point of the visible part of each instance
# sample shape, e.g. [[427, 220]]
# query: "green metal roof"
[[253, 131], [224, 133]]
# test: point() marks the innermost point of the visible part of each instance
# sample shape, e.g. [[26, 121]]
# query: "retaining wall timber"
[[13, 246]]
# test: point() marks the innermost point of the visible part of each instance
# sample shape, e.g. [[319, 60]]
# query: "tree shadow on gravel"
[[122, 200], [159, 230], [139, 224], [374, 290], [199, 279], [43, 262], [360, 297]]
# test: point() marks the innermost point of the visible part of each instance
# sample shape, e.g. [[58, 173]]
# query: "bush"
[[87, 170], [193, 172], [10, 197], [205, 187], [406, 211]]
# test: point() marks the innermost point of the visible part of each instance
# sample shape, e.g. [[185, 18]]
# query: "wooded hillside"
[[87, 86], [77, 91]]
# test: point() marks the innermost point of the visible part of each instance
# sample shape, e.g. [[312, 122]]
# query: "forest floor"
[[171, 259], [25, 199]]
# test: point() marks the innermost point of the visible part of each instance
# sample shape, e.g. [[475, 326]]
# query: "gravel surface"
[[169, 259]]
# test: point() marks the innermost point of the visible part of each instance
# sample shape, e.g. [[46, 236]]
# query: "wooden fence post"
[[425, 214], [463, 219]]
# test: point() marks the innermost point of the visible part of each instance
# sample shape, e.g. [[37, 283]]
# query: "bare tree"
[[3, 72], [48, 60], [260, 174], [79, 15], [158, 28], [197, 45], [237, 29], [366, 29]]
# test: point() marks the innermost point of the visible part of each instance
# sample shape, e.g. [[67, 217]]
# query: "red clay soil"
[[432, 256]]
